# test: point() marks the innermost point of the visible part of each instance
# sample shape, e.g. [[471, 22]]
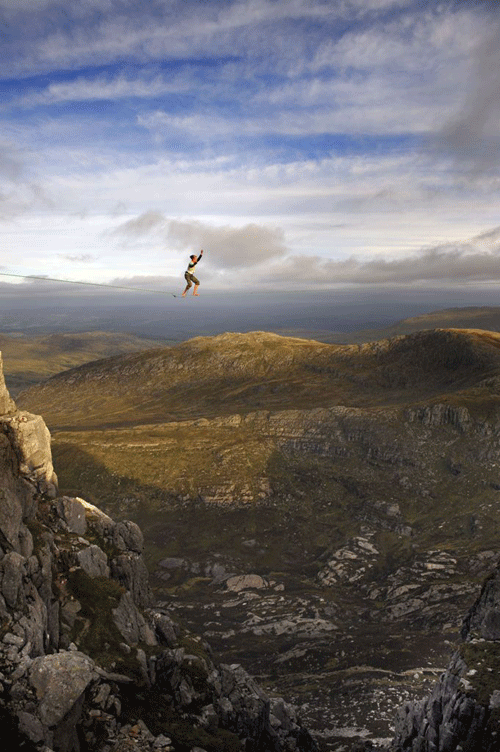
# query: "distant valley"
[[473, 317], [324, 514], [31, 359]]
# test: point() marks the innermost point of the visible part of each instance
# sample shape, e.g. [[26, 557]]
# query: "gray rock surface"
[[93, 561], [59, 680], [72, 511]]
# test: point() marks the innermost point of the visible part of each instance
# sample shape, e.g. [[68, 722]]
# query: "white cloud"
[[227, 246], [230, 246], [98, 88], [71, 33], [474, 261], [143, 33], [412, 44]]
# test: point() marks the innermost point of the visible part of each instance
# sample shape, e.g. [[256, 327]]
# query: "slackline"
[[91, 284]]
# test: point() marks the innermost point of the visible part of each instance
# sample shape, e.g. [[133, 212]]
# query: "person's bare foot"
[[195, 295]]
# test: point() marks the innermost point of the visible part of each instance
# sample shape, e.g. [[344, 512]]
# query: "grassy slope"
[[29, 360], [239, 373], [307, 504]]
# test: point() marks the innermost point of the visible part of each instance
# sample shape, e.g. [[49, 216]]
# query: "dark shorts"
[[190, 278]]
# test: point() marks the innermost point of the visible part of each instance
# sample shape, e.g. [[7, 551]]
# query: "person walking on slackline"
[[189, 275]]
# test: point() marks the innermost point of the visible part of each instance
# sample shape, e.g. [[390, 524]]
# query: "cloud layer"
[[306, 143]]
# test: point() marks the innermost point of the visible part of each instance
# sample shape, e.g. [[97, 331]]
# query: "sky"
[[303, 144]]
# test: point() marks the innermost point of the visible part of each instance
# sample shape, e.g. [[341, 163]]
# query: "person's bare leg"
[[194, 291], [185, 291]]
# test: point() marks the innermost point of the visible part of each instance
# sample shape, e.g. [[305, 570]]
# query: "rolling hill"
[[232, 373]]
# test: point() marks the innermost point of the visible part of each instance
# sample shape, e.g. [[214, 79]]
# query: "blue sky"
[[303, 144]]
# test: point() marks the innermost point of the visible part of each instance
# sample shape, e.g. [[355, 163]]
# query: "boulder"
[[128, 536], [59, 680], [31, 440], [245, 582]]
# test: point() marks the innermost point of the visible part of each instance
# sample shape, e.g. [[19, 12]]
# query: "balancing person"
[[189, 275]]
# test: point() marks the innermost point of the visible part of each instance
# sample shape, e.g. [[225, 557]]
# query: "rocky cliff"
[[86, 663], [463, 711]]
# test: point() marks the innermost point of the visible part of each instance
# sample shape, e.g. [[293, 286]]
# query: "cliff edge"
[[86, 662], [462, 714]]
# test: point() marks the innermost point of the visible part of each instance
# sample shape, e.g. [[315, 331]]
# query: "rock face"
[[463, 710], [85, 662]]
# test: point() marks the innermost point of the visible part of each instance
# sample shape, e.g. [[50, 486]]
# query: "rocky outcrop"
[[463, 710], [86, 663]]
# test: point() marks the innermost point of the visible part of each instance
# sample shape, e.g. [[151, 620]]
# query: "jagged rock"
[[127, 536], [7, 405], [72, 511], [31, 441], [93, 561], [130, 571], [131, 622], [165, 629], [31, 727], [484, 617], [15, 497], [97, 520], [460, 713]]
